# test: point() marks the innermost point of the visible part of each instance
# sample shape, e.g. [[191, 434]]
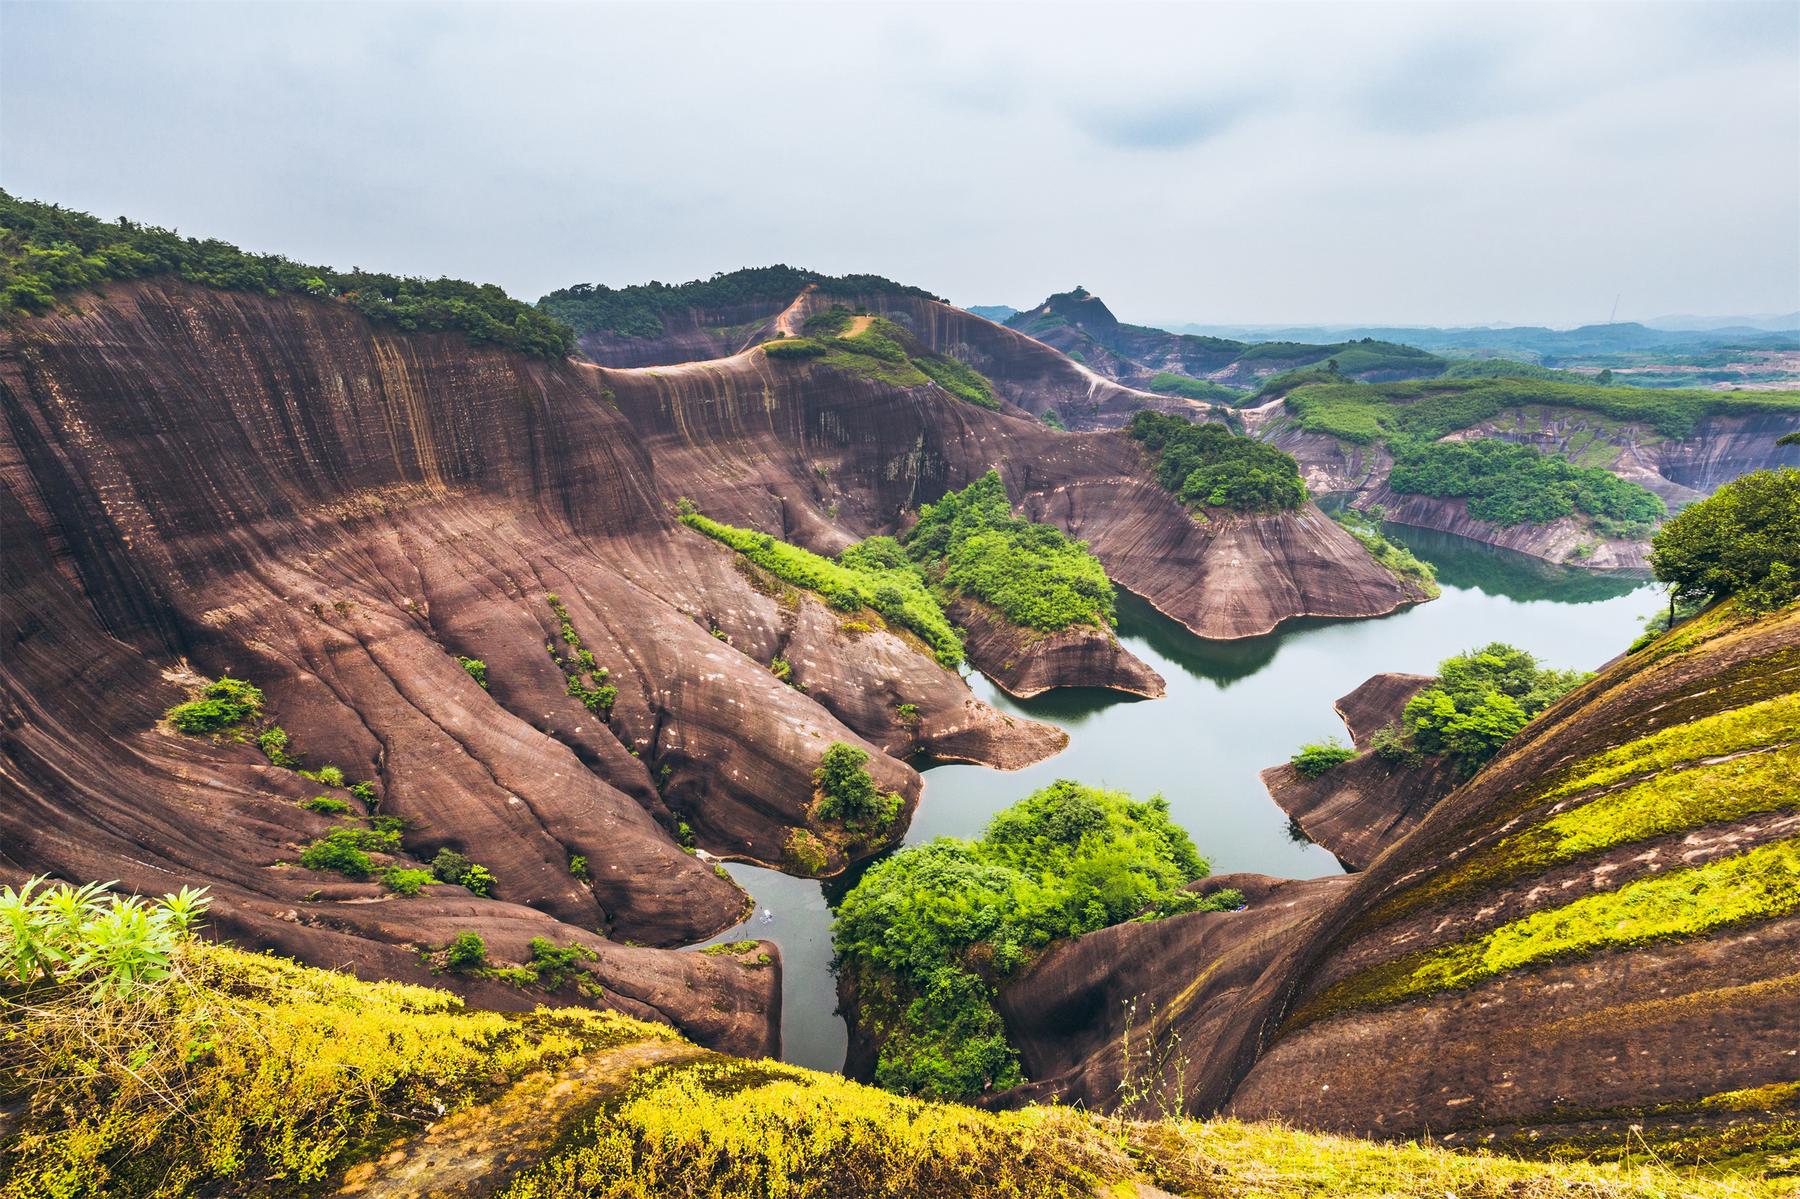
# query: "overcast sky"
[[1376, 163]]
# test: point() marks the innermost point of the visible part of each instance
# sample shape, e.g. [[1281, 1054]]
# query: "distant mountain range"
[[1623, 337]]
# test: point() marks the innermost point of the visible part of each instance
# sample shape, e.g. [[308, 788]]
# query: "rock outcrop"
[[201, 482], [1359, 808], [1024, 663], [1501, 973]]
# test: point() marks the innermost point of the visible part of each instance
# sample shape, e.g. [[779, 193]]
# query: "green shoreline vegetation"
[[927, 934], [968, 543], [47, 251]]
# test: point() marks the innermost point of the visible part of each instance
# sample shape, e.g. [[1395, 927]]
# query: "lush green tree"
[[1744, 541], [847, 790], [1209, 465], [970, 542], [1479, 701], [931, 928]]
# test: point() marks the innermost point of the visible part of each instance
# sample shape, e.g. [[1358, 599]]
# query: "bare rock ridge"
[[1320, 1004], [1361, 807], [200, 483]]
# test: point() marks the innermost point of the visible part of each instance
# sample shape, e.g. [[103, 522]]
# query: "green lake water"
[[1232, 709]]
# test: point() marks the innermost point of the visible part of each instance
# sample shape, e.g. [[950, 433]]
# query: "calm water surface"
[[1231, 710]]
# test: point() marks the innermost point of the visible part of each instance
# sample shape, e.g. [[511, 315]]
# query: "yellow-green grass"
[[243, 1070], [1759, 884], [1675, 801], [721, 1128], [247, 1074], [1754, 726]]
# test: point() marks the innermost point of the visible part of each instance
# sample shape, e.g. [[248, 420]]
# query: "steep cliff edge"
[[1597, 931]]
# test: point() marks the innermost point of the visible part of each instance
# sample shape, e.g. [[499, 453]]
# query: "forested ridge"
[[47, 251]]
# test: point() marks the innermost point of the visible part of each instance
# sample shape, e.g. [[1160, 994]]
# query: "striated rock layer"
[[200, 483], [1024, 663], [1280, 1011]]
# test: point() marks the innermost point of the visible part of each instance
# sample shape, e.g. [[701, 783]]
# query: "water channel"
[[1232, 709]]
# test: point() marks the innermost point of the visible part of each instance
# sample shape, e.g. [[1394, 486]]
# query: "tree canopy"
[[1743, 541], [932, 926], [639, 310], [1209, 465], [1480, 699]]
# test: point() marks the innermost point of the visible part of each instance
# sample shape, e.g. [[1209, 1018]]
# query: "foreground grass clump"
[[1760, 884], [866, 576], [971, 542], [231, 1072], [1209, 465], [925, 933], [723, 1129]]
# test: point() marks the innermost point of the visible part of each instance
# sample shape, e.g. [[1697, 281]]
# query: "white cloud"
[[1376, 163]]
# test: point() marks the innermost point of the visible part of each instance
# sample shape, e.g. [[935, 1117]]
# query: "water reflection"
[[1231, 710]]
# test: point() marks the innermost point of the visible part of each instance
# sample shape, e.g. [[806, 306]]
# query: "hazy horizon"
[[1285, 164]]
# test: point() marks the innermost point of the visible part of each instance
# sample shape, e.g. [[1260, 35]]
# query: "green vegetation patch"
[[1760, 884], [1480, 700], [926, 931], [1432, 408], [1511, 484], [876, 576], [584, 679], [1743, 541], [1315, 759], [46, 250], [1399, 561], [884, 352], [846, 791], [970, 542], [224, 704], [639, 310], [1209, 465], [1170, 384]]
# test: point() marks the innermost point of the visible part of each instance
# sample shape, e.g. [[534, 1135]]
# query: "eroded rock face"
[[200, 483], [1359, 808], [1025, 663]]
